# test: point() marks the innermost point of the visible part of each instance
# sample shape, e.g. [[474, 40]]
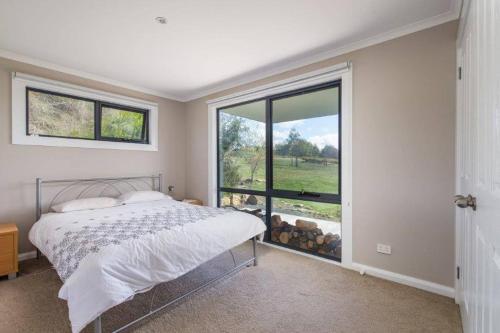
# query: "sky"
[[320, 131]]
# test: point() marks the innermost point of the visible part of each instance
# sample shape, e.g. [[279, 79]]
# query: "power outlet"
[[383, 248]]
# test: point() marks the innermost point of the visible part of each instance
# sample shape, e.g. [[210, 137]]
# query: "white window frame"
[[341, 71], [21, 81]]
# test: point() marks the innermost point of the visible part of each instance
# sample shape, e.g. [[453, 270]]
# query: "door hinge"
[[458, 272], [460, 73]]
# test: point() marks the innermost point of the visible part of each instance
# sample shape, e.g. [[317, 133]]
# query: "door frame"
[[458, 171], [460, 215], [343, 72], [463, 16]]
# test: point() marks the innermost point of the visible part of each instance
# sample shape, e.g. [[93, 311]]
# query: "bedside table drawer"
[[6, 244], [6, 263]]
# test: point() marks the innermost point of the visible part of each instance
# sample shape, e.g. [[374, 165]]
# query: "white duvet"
[[105, 256]]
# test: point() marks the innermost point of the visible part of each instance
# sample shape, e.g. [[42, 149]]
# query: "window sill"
[[79, 143]]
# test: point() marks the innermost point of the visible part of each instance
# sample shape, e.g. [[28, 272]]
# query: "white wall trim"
[[346, 172], [406, 280], [341, 71], [285, 249], [26, 255], [458, 171], [290, 64], [19, 83], [379, 273], [71, 71], [463, 15], [464, 11]]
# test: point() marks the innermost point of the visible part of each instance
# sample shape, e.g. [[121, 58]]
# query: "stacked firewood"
[[305, 235]]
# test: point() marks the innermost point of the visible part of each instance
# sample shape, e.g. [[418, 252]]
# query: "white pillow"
[[85, 203], [141, 196]]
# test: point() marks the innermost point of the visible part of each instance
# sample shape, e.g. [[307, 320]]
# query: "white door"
[[478, 168]]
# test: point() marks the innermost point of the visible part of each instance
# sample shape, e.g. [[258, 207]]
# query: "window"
[[123, 124], [54, 114], [281, 154], [242, 146], [58, 115], [306, 141]]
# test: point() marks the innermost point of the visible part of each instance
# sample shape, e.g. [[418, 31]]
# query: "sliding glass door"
[[282, 155]]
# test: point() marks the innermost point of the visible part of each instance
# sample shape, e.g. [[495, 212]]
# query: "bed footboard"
[[236, 268]]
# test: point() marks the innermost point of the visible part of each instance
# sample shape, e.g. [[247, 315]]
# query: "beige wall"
[[403, 151], [20, 165]]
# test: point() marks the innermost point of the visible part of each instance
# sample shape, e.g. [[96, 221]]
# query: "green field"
[[310, 177], [307, 176]]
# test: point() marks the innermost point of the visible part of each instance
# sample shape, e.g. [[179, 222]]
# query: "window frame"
[[220, 188], [28, 89], [269, 193], [286, 194], [335, 198], [343, 71], [98, 105], [18, 114], [145, 122]]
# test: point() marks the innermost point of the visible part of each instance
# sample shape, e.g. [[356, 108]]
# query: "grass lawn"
[[310, 177], [317, 210]]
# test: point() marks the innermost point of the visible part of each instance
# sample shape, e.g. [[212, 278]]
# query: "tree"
[[293, 142], [299, 147], [303, 148], [60, 116], [233, 131], [329, 151], [281, 149], [255, 148], [231, 175], [296, 147], [254, 158], [293, 136]]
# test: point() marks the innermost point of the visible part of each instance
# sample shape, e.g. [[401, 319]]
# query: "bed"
[[106, 256]]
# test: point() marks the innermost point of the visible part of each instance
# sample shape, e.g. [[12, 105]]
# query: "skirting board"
[[406, 280], [363, 269], [26, 255], [328, 261], [380, 273]]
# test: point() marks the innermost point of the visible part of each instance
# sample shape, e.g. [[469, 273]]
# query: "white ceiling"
[[206, 45]]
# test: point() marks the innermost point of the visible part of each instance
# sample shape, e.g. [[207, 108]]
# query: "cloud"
[[279, 136], [289, 124], [323, 140]]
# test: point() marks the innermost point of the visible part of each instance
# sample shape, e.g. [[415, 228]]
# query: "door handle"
[[464, 202], [309, 194]]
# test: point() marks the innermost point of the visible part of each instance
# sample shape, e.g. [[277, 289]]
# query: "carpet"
[[286, 292]]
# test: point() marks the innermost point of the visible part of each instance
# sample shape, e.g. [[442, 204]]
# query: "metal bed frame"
[[114, 186]]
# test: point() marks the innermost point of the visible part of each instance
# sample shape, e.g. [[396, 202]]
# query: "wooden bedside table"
[[194, 201], [8, 250]]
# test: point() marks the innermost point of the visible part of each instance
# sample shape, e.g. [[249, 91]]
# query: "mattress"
[[105, 256]]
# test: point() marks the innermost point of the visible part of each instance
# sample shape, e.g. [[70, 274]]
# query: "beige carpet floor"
[[285, 293]]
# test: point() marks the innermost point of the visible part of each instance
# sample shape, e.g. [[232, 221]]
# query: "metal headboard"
[[69, 189]]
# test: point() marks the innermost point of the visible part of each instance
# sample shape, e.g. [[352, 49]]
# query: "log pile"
[[305, 235]]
